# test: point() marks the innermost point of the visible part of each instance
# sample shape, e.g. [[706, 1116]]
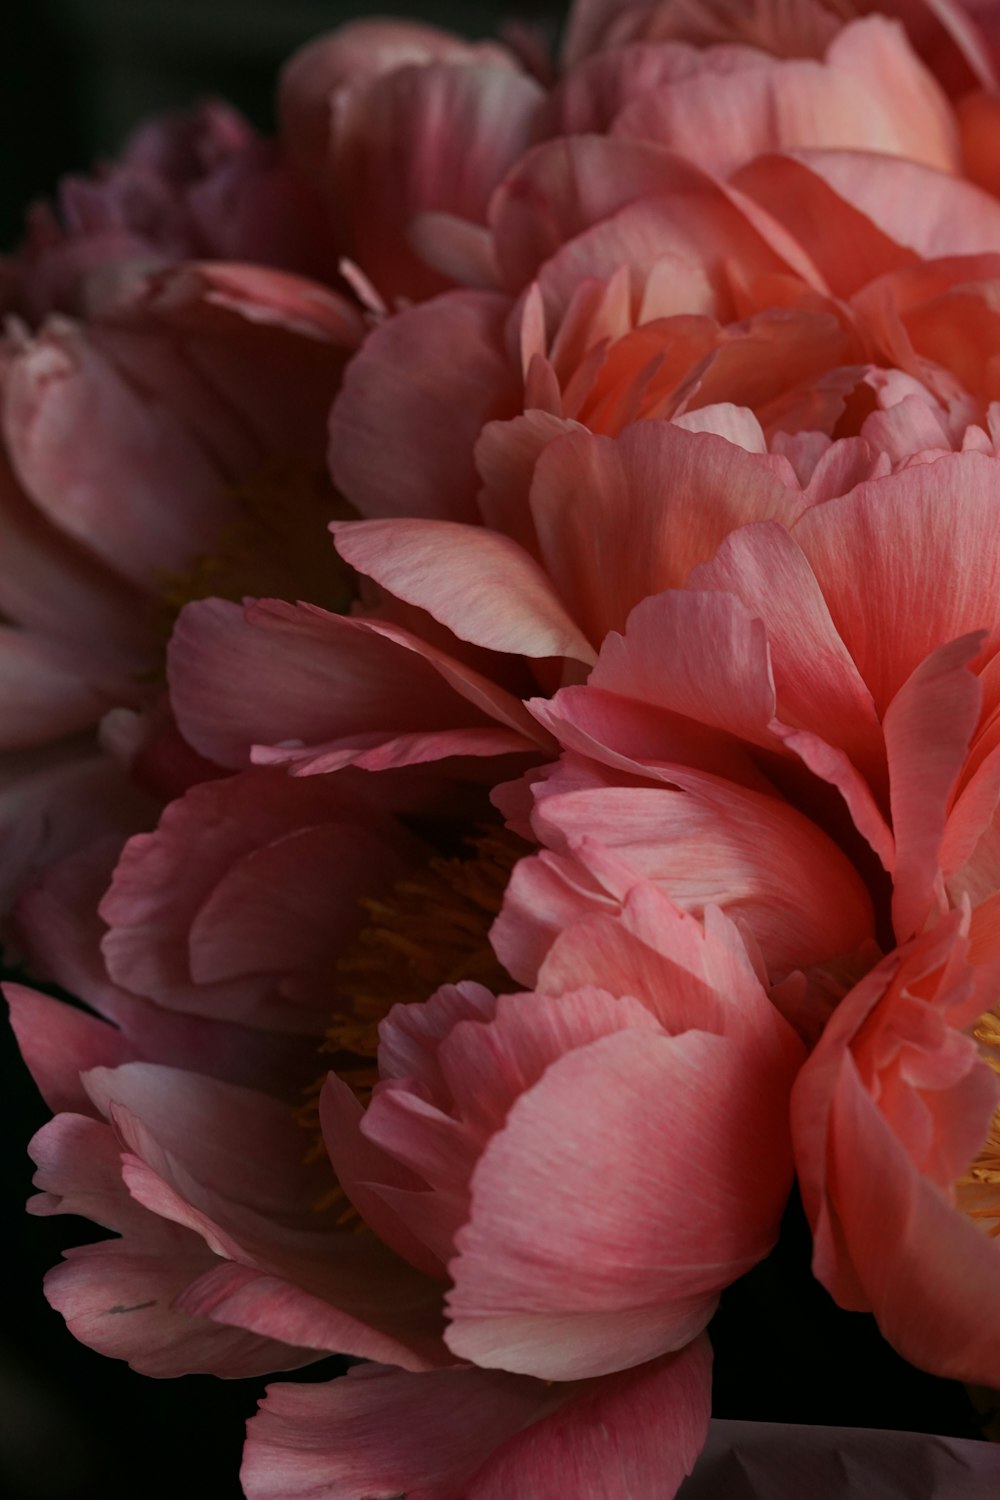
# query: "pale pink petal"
[[506, 455], [651, 1245], [871, 93], [454, 571], [413, 402]]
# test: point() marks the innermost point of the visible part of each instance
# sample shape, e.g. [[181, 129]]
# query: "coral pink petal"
[[609, 532], [636, 1433], [384, 1431], [957, 1333], [915, 534], [872, 93], [652, 1237], [59, 1042], [707, 842], [817, 684], [413, 401], [928, 727], [362, 1167], [452, 571]]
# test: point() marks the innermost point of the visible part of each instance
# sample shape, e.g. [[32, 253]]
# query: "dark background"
[[75, 76]]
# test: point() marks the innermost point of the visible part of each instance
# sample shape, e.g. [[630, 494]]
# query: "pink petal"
[[384, 1431], [650, 1249], [249, 933], [118, 1296], [451, 571], [438, 137], [413, 402], [59, 1042], [637, 1433], [928, 727], [871, 93], [323, 679], [914, 534], [610, 534]]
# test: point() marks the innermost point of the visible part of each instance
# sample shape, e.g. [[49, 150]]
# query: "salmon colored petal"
[[506, 455], [452, 571], [928, 727], [649, 1245], [816, 682], [704, 841], [412, 404], [915, 534], [870, 93], [611, 531], [956, 1332]]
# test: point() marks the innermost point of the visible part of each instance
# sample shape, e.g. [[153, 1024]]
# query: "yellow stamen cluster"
[[431, 929], [979, 1189], [278, 548]]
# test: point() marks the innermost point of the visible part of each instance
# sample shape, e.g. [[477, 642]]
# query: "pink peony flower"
[[195, 186], [147, 460], [898, 1152]]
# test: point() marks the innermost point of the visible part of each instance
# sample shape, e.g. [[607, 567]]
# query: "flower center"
[[979, 1189], [431, 929], [279, 547]]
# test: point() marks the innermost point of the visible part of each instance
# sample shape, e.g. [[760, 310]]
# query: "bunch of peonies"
[[485, 914]]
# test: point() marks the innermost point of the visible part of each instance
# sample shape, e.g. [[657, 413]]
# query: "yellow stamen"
[[979, 1188], [278, 548], [431, 929]]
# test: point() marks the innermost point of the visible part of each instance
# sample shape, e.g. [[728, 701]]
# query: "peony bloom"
[[147, 461], [675, 452], [186, 187], [898, 1152], [512, 1139]]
